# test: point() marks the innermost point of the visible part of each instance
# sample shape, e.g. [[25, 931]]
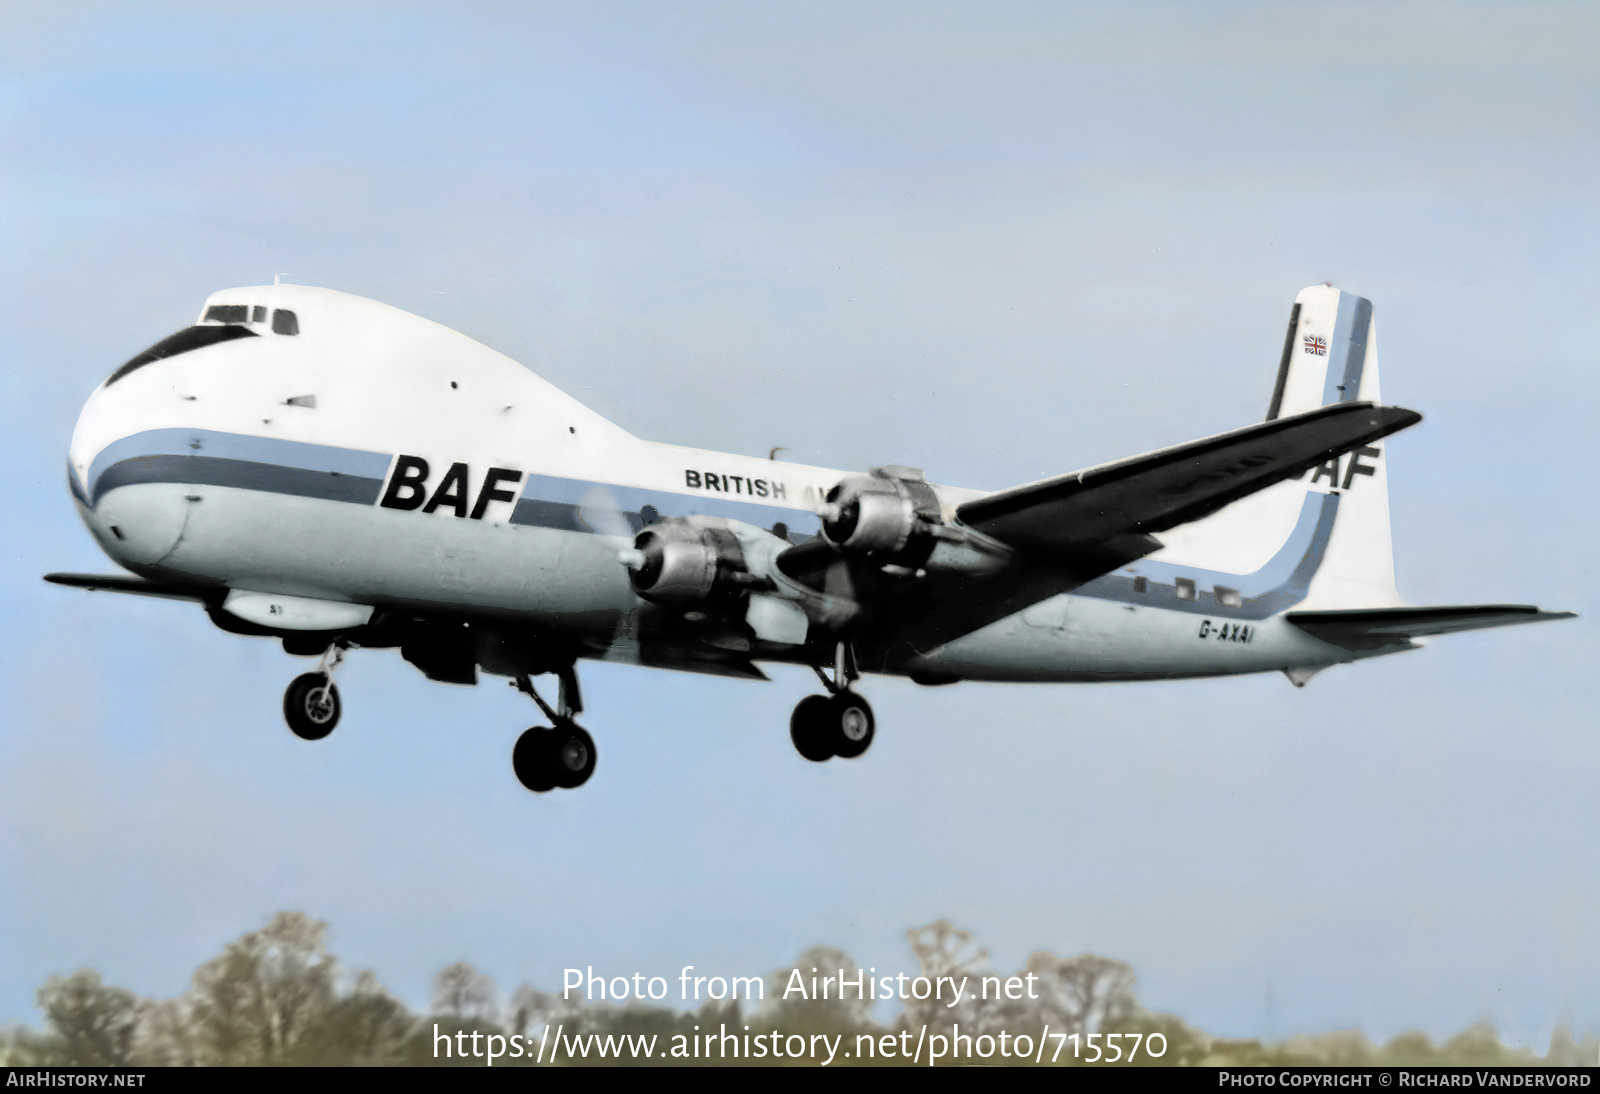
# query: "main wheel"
[[311, 706], [532, 759], [851, 724], [547, 758], [808, 728], [573, 756]]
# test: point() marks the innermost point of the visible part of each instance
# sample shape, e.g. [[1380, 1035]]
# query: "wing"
[[122, 583], [1066, 531], [1378, 628], [1079, 514]]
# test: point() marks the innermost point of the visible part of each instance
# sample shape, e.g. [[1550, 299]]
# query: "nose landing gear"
[[311, 703], [837, 724], [560, 755]]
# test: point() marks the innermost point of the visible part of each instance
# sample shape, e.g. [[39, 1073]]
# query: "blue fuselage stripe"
[[272, 465], [268, 478], [237, 448], [1281, 582], [577, 505]]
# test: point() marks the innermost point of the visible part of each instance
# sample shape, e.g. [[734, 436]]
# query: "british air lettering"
[[735, 484], [559, 555], [408, 488]]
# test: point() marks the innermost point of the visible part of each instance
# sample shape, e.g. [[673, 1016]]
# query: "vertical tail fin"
[[1320, 541], [1330, 355]]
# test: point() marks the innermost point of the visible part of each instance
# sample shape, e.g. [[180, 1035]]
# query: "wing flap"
[[1375, 628], [1173, 486]]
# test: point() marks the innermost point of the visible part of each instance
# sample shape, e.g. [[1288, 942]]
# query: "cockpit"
[[221, 323], [284, 321]]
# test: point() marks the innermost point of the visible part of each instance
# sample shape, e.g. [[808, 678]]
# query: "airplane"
[[338, 474]]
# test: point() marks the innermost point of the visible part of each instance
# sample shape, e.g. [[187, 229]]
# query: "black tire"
[[808, 728], [532, 759], [311, 706], [850, 724], [572, 756]]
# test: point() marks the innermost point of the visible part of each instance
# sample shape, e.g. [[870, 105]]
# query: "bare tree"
[[364, 1026], [531, 1008], [945, 951], [465, 994], [256, 1002], [164, 1037], [92, 1024], [1081, 994], [807, 997]]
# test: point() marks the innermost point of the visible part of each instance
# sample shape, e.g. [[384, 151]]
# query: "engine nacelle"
[[682, 561], [887, 516], [890, 517]]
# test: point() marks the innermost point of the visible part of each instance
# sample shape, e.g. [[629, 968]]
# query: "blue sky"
[[997, 241]]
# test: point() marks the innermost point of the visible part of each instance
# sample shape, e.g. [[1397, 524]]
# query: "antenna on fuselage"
[[775, 450]]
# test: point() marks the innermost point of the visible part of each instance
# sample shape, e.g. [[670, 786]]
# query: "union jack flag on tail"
[[1317, 346]]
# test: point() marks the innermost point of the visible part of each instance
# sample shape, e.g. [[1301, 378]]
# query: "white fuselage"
[[373, 457]]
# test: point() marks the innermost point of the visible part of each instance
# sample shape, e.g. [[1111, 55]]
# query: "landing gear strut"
[[837, 724], [311, 704], [561, 754]]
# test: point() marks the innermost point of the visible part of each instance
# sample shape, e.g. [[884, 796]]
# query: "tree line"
[[276, 996]]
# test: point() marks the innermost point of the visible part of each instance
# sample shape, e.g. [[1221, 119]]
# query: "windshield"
[[228, 313]]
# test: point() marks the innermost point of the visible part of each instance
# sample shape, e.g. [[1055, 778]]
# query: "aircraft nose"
[[115, 476], [116, 464], [141, 523]]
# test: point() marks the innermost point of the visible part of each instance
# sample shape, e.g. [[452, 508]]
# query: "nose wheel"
[[311, 703], [311, 706]]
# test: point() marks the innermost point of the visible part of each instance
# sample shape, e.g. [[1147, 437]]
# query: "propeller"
[[600, 511]]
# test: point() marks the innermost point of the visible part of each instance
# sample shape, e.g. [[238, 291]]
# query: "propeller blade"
[[600, 511]]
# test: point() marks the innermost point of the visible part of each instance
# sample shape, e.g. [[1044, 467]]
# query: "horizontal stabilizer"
[[1161, 490], [1375, 628], [122, 583]]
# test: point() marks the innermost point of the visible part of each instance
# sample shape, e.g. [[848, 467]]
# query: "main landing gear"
[[561, 754], [311, 705], [837, 724]]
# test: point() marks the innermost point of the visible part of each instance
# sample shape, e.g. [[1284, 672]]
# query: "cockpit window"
[[228, 313], [284, 321], [190, 338]]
